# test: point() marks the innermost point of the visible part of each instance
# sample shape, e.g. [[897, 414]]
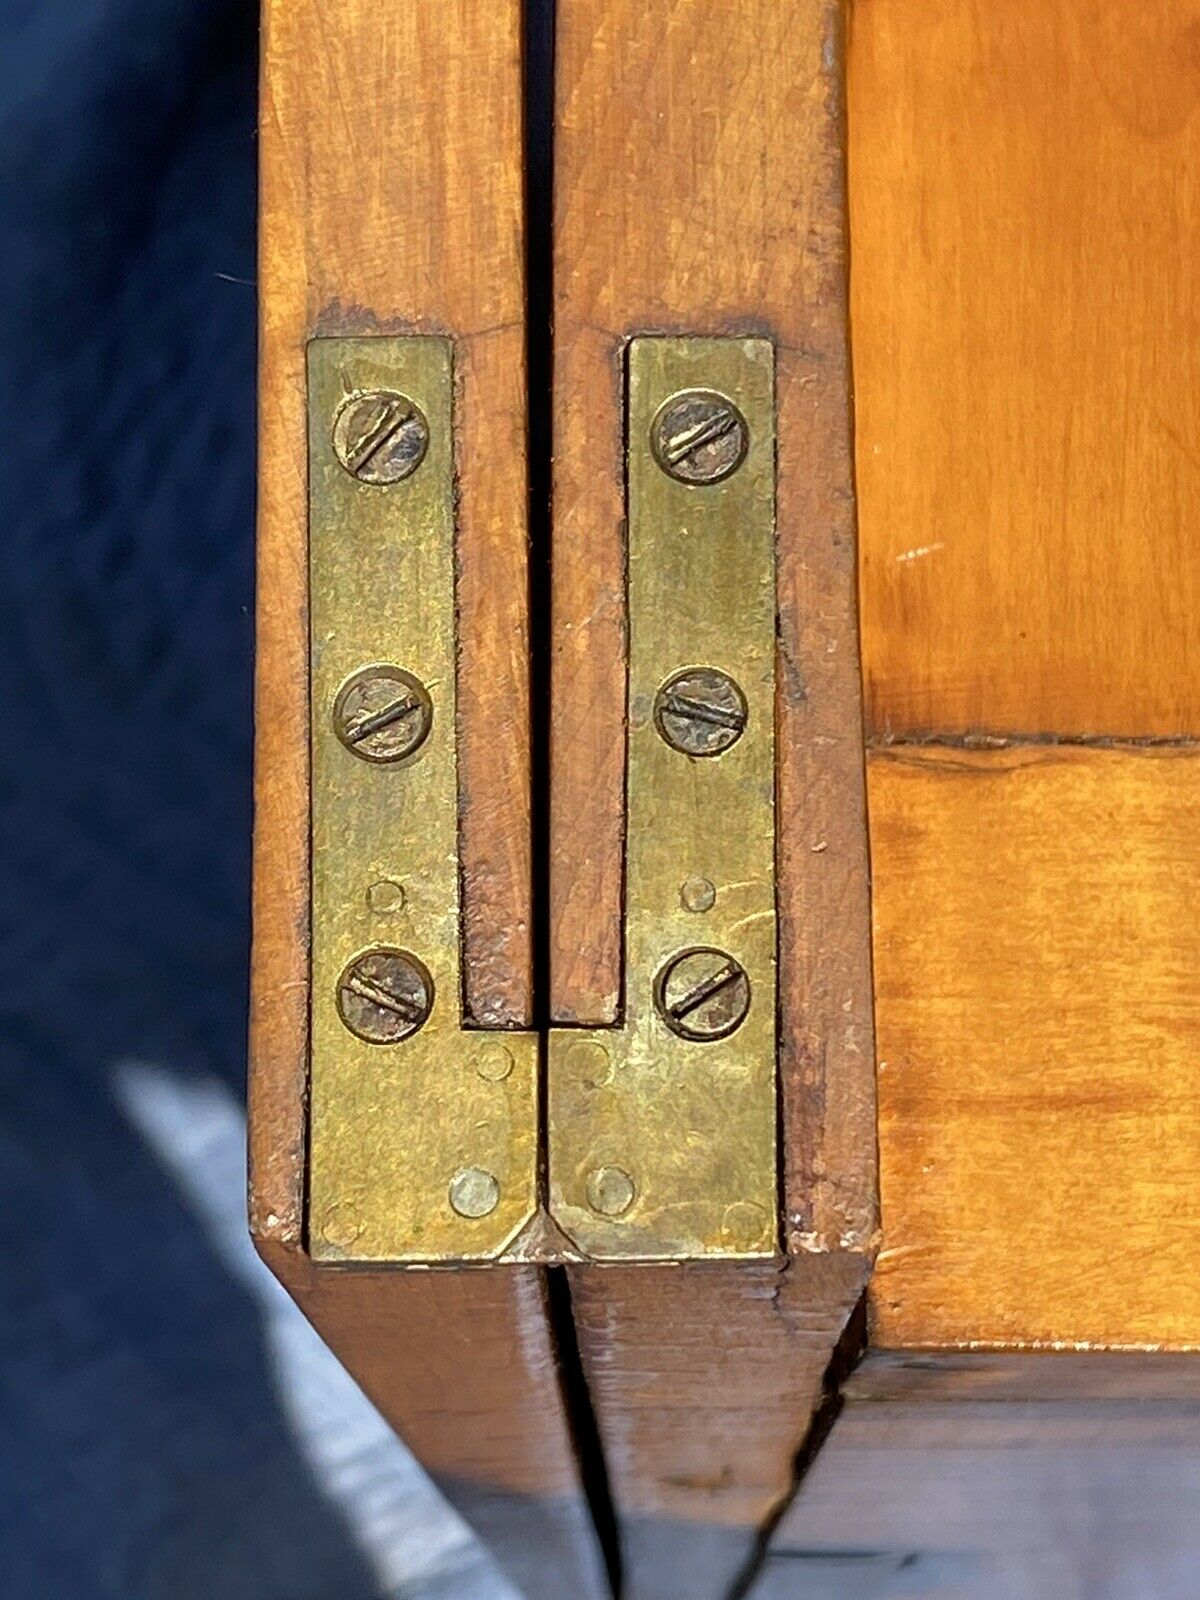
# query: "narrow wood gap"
[[847, 1354], [538, 86], [538, 89], [593, 1470], [1009, 741]]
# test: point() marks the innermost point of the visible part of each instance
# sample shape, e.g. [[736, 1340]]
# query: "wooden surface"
[[1024, 184], [705, 1380], [1025, 1375], [669, 220], [699, 189], [391, 198], [1022, 187], [1023, 181], [672, 218], [960, 1498], [1037, 1007], [369, 221], [466, 1367]]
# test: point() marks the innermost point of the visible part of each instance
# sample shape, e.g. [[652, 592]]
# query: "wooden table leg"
[[699, 190], [392, 181]]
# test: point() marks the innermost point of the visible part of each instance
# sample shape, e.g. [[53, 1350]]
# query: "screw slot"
[[700, 712], [699, 437], [384, 996], [703, 994], [383, 714], [380, 437]]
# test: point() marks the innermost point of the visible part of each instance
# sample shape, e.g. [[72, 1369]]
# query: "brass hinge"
[[422, 1134], [662, 1132]]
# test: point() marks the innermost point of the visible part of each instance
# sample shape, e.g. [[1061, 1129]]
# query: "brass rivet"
[[698, 894], [341, 1226], [744, 1225], [386, 895], [474, 1193], [699, 437], [703, 994], [383, 996], [383, 713], [610, 1191], [380, 437], [495, 1063], [590, 1062]]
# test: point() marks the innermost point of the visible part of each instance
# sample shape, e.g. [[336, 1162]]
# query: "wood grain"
[[996, 1500], [369, 221], [699, 188], [391, 199], [1023, 184], [466, 1367], [949, 1376], [671, 218], [391, 195], [1037, 1009], [704, 1381]]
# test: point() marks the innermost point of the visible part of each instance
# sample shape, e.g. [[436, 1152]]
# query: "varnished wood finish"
[[466, 1367], [704, 1380], [1036, 958], [972, 1490], [718, 259], [950, 1375], [699, 189], [374, 220], [1022, 182], [1024, 187], [391, 199]]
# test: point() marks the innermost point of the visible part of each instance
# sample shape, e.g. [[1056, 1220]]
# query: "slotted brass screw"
[[384, 996], [703, 994], [699, 437], [700, 712], [383, 713], [380, 437]]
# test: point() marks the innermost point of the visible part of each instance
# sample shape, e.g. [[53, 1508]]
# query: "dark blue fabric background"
[[141, 1454]]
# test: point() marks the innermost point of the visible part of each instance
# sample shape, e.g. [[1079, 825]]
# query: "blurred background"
[[168, 1424]]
